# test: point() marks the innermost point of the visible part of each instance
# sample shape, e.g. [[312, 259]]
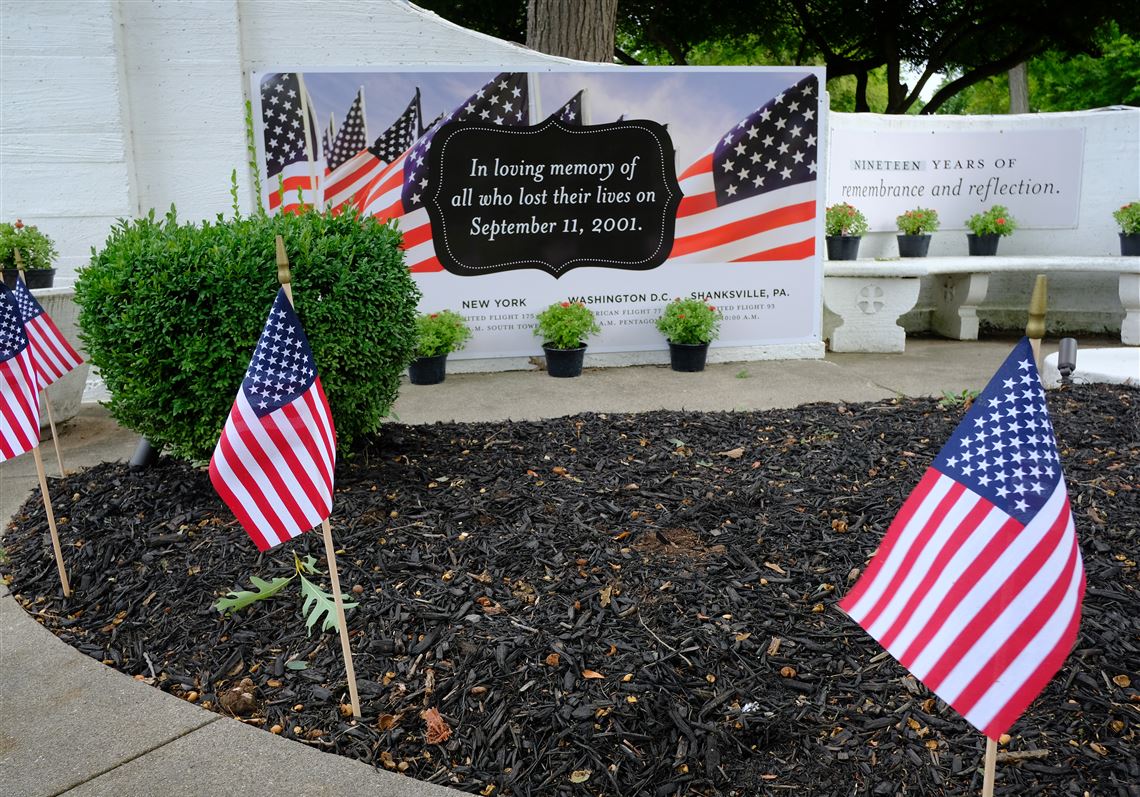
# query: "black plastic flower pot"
[[913, 245], [688, 357], [843, 247], [33, 277], [428, 370], [564, 363], [983, 244], [1130, 243]]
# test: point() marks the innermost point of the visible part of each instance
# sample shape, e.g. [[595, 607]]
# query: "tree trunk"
[[581, 29], [1018, 90]]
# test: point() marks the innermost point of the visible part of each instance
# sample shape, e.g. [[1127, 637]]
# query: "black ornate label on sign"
[[552, 197]]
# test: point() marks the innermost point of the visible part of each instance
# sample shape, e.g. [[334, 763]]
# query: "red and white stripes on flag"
[[19, 399], [753, 197], [977, 586], [353, 180], [273, 465], [385, 203], [52, 355]]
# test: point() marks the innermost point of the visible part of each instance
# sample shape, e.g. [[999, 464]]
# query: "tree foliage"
[[1059, 82], [972, 40]]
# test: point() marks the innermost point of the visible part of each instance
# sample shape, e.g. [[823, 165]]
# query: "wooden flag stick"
[[1035, 328], [54, 435], [51, 523], [47, 398], [286, 280], [338, 599], [991, 764]]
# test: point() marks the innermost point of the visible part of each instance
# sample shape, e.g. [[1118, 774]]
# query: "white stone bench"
[[869, 296]]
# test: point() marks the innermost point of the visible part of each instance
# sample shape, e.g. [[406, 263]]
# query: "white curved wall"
[[115, 107]]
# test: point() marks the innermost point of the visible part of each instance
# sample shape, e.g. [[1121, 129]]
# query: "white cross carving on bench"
[[870, 299]]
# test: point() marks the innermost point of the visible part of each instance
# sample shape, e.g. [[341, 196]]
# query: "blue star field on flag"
[[284, 117], [773, 147], [1005, 449], [352, 136], [13, 339], [502, 101], [282, 367]]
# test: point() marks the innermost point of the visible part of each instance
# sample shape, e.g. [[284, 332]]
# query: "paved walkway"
[[69, 725]]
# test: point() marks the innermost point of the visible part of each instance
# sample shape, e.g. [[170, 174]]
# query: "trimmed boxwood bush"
[[170, 314]]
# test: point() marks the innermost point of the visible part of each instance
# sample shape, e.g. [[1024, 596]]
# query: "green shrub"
[[440, 333], [995, 221], [919, 221], [690, 321], [1128, 217], [171, 313], [36, 249], [843, 219], [566, 325]]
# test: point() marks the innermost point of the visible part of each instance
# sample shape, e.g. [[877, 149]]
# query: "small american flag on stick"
[[977, 586], [273, 465], [52, 355], [753, 196], [19, 402]]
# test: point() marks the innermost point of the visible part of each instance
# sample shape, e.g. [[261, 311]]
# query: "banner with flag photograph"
[[622, 188]]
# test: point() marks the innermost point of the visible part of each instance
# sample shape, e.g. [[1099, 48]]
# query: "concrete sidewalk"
[[69, 725]]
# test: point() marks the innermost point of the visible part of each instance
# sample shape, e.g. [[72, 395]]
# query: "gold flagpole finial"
[[283, 275]]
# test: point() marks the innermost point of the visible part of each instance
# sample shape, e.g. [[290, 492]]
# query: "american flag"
[[290, 135], [753, 197], [355, 177], [398, 194], [52, 355], [352, 136], [977, 586], [327, 138], [273, 465], [571, 113], [19, 402]]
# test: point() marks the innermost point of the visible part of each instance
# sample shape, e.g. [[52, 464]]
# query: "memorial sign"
[[884, 172], [621, 188], [552, 196]]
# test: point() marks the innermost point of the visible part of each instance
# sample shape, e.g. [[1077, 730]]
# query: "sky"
[[697, 104]]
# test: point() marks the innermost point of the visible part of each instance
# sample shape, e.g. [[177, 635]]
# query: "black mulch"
[[645, 602]]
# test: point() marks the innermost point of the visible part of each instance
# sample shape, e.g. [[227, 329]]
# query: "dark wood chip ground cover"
[[644, 603]]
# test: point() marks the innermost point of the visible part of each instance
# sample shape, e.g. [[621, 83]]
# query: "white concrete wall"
[[113, 107], [1110, 176], [64, 146]]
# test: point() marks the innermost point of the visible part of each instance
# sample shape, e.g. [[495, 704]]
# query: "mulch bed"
[[644, 603]]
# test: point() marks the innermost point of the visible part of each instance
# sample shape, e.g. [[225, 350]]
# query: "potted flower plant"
[[437, 335], [844, 227], [987, 228], [1128, 217], [689, 325], [563, 327], [915, 227], [37, 252]]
